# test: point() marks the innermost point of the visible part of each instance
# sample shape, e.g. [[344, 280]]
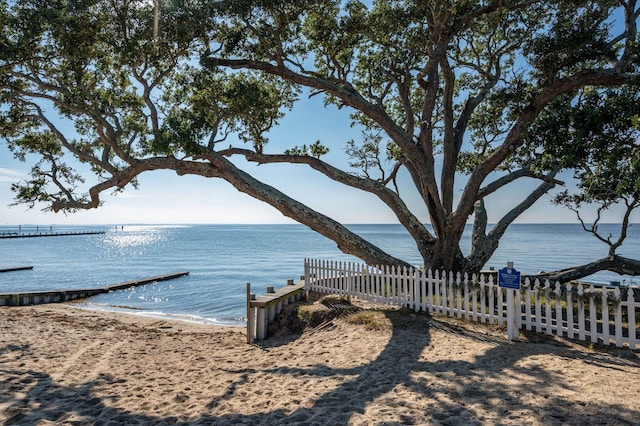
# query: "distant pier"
[[59, 296], [46, 234]]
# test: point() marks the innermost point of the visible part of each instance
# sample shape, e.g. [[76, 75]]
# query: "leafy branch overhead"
[[456, 101], [315, 150]]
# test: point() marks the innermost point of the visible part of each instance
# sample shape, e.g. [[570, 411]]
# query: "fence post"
[[349, 274], [488, 299], [437, 291], [593, 320], [617, 300], [581, 327], [467, 309], [559, 328], [511, 315], [570, 319], [430, 284], [509, 280], [307, 284], [527, 305], [451, 296], [631, 317], [547, 306], [249, 316], [605, 316]]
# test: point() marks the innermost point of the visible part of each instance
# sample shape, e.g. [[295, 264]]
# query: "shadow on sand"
[[445, 388]]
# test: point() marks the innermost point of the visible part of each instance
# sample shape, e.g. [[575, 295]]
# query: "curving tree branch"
[[618, 264], [416, 229]]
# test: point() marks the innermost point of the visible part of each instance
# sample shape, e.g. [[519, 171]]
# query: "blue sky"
[[164, 197]]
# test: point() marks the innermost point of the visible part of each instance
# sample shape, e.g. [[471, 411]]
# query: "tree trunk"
[[446, 255]]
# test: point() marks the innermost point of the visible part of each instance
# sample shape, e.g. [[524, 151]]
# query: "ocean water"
[[221, 259]]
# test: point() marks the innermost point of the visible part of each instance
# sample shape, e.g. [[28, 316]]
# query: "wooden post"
[[605, 316], [617, 295], [306, 277], [511, 316], [631, 312], [249, 315], [261, 326], [271, 309]]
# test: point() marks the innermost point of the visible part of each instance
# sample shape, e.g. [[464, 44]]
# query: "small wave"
[[197, 319]]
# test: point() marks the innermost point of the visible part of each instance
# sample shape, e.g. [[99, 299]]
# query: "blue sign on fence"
[[509, 278]]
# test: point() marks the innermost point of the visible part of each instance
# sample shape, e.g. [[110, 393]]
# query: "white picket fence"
[[600, 314]]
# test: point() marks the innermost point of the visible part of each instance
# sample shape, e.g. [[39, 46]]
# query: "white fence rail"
[[589, 313]]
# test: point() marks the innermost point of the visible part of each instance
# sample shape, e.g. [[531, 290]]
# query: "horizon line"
[[271, 224]]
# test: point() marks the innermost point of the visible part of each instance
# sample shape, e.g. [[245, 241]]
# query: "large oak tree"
[[487, 92]]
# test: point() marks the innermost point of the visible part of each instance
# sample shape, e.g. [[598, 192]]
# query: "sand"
[[63, 365]]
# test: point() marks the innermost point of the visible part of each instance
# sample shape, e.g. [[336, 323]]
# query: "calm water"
[[221, 259]]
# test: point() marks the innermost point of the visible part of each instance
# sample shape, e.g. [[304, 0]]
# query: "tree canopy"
[[485, 92]]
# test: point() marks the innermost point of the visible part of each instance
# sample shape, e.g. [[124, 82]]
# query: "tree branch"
[[593, 229], [507, 179], [449, 146], [219, 167], [345, 91], [483, 245], [499, 228], [618, 264], [514, 139], [630, 33], [416, 229], [625, 224]]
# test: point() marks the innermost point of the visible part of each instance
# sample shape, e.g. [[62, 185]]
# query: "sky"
[[164, 197]]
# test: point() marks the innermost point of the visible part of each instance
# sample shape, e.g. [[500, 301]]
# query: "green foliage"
[[273, 25], [596, 135], [577, 37], [128, 94], [49, 185], [366, 156], [439, 88], [208, 107], [315, 150]]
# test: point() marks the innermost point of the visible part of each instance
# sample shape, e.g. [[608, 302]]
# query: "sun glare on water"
[[133, 240]]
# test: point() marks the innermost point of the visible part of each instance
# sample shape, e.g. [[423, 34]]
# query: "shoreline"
[[158, 315], [62, 364]]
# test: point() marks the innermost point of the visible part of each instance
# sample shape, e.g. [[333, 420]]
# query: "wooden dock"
[[59, 296], [5, 235], [16, 268]]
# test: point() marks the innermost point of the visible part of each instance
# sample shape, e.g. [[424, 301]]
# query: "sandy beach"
[[63, 365]]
